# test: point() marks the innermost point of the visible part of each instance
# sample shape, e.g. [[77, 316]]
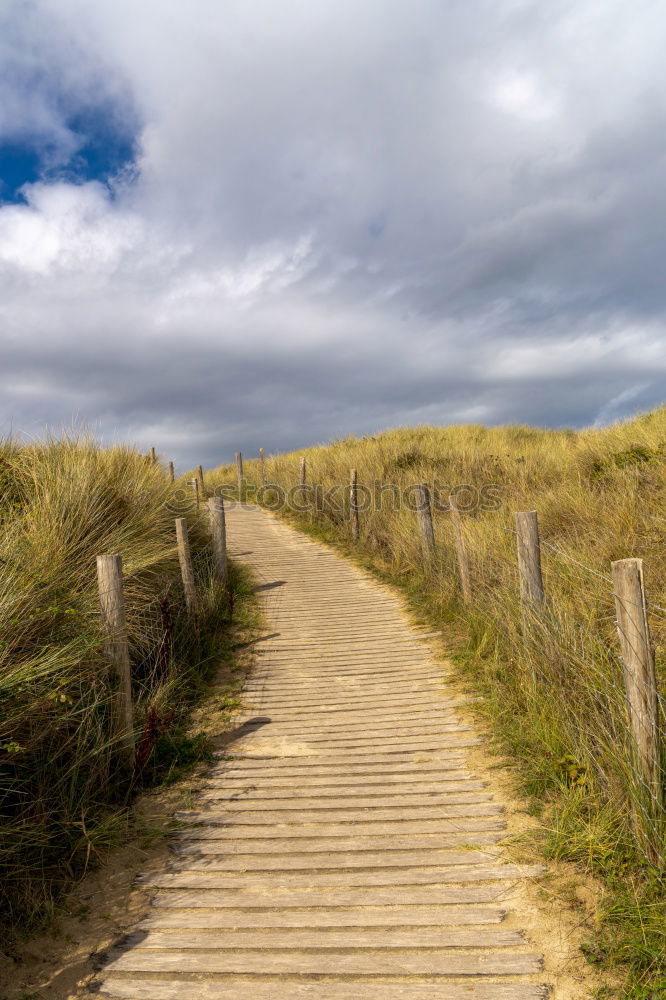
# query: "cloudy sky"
[[275, 222]]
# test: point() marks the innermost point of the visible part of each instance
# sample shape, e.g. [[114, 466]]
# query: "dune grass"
[[552, 686], [63, 789]]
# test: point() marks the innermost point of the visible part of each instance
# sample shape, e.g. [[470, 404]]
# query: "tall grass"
[[62, 786], [553, 685]]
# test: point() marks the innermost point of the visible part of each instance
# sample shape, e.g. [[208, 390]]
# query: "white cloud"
[[523, 95], [67, 227]]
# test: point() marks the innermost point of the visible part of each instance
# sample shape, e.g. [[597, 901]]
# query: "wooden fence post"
[[529, 558], [640, 682], [262, 463], [112, 601], [186, 571], [239, 468], [219, 537], [461, 551], [172, 473], [194, 484], [304, 472], [202, 482], [164, 653], [353, 504], [153, 455], [424, 514]]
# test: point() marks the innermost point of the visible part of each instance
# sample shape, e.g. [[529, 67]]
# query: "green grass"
[[553, 693]]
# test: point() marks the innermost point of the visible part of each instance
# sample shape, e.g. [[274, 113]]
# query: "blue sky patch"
[[102, 148], [18, 166]]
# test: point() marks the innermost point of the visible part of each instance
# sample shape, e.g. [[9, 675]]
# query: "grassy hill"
[[553, 688]]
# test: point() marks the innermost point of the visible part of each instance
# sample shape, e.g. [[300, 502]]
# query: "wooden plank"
[[341, 815], [291, 710], [235, 769], [347, 878], [258, 789], [209, 845], [308, 666], [342, 689], [365, 682], [330, 712], [368, 757], [390, 962], [301, 748], [337, 711], [446, 781], [316, 681], [337, 731], [375, 672], [124, 988], [341, 736], [352, 702], [336, 653], [331, 897], [300, 672], [356, 802], [366, 832], [322, 939], [329, 861], [305, 646], [362, 916]]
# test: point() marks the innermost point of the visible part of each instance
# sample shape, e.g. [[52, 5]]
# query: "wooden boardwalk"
[[346, 852]]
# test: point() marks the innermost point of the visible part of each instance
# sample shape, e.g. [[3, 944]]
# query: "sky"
[[253, 224]]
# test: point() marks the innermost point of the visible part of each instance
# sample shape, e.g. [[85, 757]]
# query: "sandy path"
[[347, 851]]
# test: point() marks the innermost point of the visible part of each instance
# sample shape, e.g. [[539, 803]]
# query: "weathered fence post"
[[164, 654], [202, 482], [262, 463], [112, 601], [219, 537], [186, 571], [172, 473], [353, 504], [194, 485], [640, 682], [424, 514], [461, 551], [239, 468], [153, 455], [303, 472], [529, 558]]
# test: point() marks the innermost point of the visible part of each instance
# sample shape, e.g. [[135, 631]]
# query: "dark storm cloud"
[[350, 217]]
